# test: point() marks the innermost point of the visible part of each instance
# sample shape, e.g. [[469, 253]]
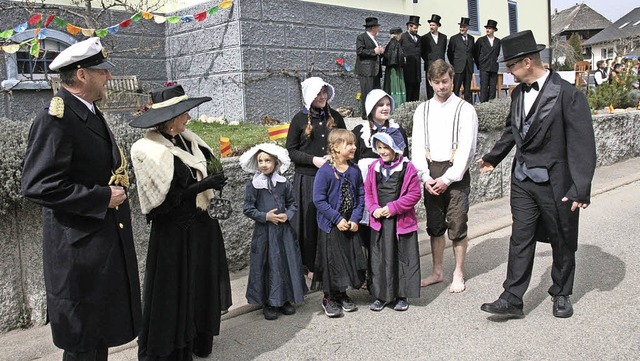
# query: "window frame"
[[15, 80]]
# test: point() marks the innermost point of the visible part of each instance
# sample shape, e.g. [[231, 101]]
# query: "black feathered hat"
[[168, 103]]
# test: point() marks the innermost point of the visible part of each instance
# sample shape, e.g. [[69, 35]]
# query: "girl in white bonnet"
[[276, 279], [307, 146]]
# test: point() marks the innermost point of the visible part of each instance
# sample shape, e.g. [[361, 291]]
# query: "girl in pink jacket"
[[392, 189]]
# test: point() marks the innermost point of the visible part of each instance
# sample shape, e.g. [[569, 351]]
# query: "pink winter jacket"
[[403, 207]]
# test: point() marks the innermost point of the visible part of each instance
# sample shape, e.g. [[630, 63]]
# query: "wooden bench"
[[122, 93]]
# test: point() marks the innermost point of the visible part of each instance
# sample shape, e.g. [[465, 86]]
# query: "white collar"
[[260, 180], [366, 131], [397, 168], [89, 105]]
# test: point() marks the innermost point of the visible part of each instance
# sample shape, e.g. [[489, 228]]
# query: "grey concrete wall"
[[22, 301], [286, 41]]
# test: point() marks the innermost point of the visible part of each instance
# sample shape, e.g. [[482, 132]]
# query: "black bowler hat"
[[414, 20], [371, 22], [395, 31], [435, 18], [464, 22], [492, 24], [168, 103], [519, 44]]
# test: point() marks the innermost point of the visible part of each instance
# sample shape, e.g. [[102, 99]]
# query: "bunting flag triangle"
[[59, 22], [101, 33], [147, 15], [225, 146], [11, 49], [278, 132], [88, 32], [225, 4], [21, 28], [72, 29], [173, 19], [159, 19], [137, 16], [200, 16], [35, 19], [6, 34], [49, 20], [213, 10], [35, 49]]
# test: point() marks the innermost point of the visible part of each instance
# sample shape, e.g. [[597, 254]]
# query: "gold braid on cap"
[[120, 177]]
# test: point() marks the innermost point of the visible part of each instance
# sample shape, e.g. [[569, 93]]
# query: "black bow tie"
[[526, 87]]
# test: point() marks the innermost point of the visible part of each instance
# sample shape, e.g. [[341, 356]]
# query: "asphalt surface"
[[444, 326]]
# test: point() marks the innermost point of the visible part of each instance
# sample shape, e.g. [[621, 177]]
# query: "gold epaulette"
[[56, 107]]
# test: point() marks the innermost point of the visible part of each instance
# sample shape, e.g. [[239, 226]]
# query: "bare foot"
[[457, 285], [433, 279]]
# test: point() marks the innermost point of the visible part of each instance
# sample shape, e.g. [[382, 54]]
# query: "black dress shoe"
[[562, 306], [287, 309], [270, 313], [502, 307]]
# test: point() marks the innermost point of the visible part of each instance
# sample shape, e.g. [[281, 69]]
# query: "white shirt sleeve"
[[599, 78], [467, 136]]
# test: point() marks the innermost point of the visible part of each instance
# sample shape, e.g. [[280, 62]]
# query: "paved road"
[[442, 326]]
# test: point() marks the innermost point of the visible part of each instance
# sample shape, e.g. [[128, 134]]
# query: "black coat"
[[90, 265], [367, 61], [412, 52], [560, 139], [432, 51], [460, 54], [393, 54], [485, 55]]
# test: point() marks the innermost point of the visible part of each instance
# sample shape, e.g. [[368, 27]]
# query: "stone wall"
[[22, 300], [252, 61]]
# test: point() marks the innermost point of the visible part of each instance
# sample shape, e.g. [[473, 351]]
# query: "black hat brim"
[[492, 27], [539, 48], [433, 21], [413, 22], [153, 117]]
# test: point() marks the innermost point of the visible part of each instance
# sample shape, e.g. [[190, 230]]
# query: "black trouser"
[[532, 206], [93, 355], [488, 81], [460, 79], [367, 84], [413, 90]]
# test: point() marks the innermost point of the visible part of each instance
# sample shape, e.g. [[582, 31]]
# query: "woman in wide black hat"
[[186, 279]]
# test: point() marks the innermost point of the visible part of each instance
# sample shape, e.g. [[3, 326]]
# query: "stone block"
[[304, 37], [289, 11], [288, 59], [266, 94], [344, 40], [254, 33], [250, 9], [253, 59]]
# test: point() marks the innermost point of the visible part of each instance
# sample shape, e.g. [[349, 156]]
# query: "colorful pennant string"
[[40, 23]]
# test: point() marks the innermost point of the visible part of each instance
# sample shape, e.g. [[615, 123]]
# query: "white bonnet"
[[374, 97], [311, 87], [249, 163]]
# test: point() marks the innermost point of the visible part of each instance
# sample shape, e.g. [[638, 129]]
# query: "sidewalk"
[[484, 218]]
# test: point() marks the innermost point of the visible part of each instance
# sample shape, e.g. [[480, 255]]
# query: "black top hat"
[[395, 31], [168, 103], [464, 22], [435, 18], [519, 44], [371, 22], [492, 24], [414, 20]]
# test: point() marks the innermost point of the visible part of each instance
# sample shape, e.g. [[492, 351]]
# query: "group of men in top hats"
[[462, 51]]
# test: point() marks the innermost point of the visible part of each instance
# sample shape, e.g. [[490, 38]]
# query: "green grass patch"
[[242, 136]]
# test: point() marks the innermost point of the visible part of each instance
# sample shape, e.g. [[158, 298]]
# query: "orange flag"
[[278, 132], [225, 146]]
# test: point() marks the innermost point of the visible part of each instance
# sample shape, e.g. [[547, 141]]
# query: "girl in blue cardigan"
[[338, 194]]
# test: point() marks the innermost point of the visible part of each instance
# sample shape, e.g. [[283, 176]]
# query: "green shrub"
[[619, 96], [493, 114], [11, 162], [403, 115]]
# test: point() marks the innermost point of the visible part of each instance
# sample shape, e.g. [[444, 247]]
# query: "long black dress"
[[186, 280]]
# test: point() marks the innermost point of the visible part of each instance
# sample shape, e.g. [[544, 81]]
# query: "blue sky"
[[610, 9]]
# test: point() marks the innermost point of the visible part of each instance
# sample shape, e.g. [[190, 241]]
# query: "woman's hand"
[[273, 217], [377, 213], [353, 226]]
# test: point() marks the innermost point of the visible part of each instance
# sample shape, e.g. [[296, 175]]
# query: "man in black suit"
[[434, 47], [412, 47], [460, 54], [368, 67], [76, 171], [486, 52], [550, 125]]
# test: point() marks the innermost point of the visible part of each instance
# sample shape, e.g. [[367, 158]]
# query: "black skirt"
[[305, 222]]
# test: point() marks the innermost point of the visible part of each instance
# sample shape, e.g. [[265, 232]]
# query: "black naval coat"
[[90, 265], [412, 51]]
